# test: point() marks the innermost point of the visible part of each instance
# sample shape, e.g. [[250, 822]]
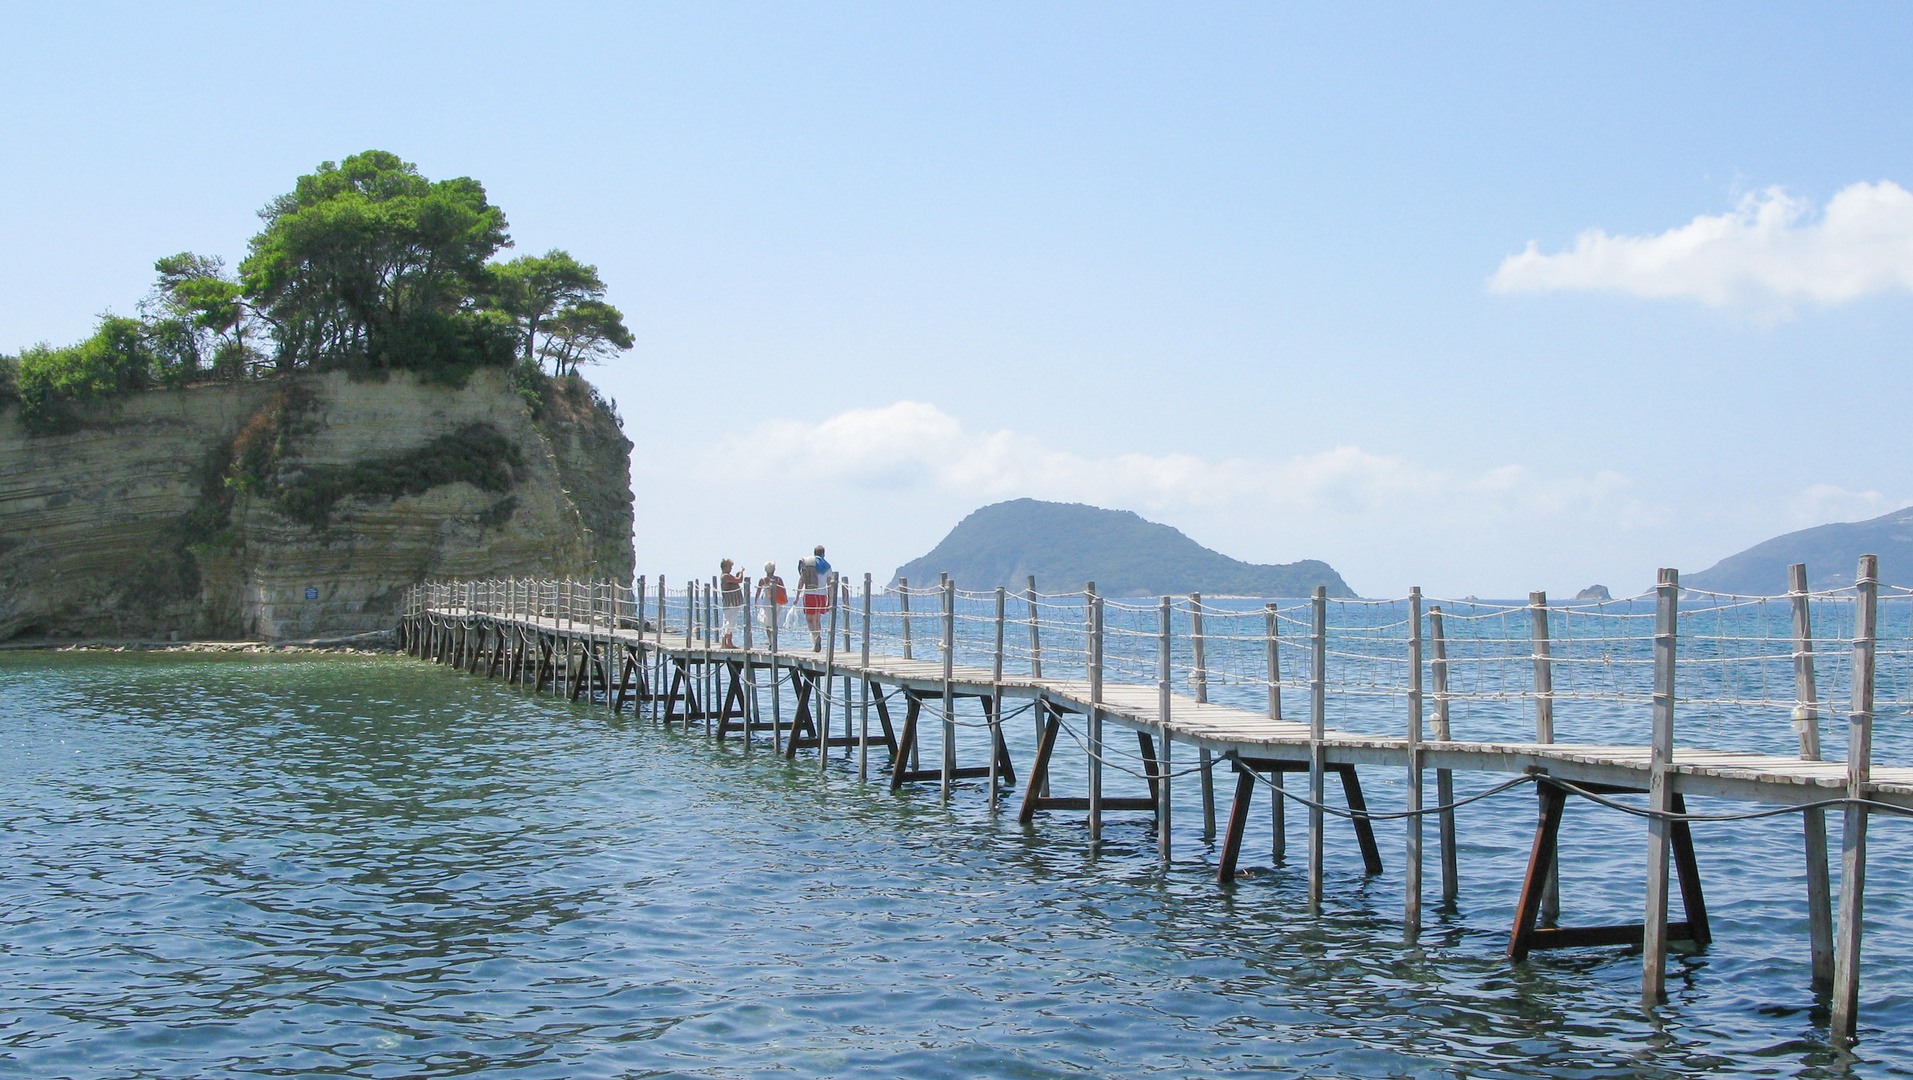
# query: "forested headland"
[[366, 266]]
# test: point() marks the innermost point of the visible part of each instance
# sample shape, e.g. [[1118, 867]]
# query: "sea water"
[[372, 866]]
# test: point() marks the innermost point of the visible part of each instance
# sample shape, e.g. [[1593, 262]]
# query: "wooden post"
[[996, 697], [639, 597], [1411, 872], [1853, 847], [1165, 673], [659, 707], [830, 670], [1806, 721], [863, 708], [710, 641], [749, 698], [1659, 796], [903, 598], [1095, 712], [1202, 696], [777, 687], [1036, 641], [1278, 802], [1318, 754], [949, 692], [1543, 668], [1444, 778], [1036, 672], [1544, 731], [843, 601]]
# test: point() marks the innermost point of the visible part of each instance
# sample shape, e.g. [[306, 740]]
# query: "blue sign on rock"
[[312, 594]]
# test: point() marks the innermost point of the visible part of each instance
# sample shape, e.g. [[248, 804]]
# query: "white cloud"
[[1385, 521], [1768, 254], [1823, 503]]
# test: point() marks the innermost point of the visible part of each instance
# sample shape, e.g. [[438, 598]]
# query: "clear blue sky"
[[1231, 266]]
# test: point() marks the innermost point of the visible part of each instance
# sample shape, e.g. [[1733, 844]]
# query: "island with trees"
[[371, 396]]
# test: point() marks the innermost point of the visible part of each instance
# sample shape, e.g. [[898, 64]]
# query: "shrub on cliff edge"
[[122, 356]]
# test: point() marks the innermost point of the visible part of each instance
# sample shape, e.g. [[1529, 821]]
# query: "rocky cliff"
[[302, 506]]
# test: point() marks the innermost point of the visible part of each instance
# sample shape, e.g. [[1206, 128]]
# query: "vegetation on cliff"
[[259, 461], [1067, 544], [365, 266]]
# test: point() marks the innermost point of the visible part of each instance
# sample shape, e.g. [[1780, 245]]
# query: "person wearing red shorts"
[[813, 581]]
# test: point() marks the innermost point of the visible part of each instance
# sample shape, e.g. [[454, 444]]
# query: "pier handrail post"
[[1543, 668], [949, 695], [1659, 797], [863, 707], [777, 689], [1411, 872], [1036, 664], [711, 685], [1806, 713], [1202, 697], [1853, 846], [1095, 713], [1272, 639], [903, 613], [996, 695], [1444, 778], [1165, 674], [843, 600], [1543, 657], [830, 671], [748, 699], [660, 703], [1318, 754], [1036, 640], [1806, 721], [1278, 802]]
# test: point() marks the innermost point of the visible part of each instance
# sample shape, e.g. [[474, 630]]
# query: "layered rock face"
[[302, 507]]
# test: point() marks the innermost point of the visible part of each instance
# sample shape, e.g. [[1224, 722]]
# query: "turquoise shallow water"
[[369, 866]]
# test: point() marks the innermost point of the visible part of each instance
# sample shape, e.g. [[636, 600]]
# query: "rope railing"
[[1766, 673]]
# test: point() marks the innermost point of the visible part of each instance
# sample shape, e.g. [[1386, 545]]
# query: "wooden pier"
[[863, 692]]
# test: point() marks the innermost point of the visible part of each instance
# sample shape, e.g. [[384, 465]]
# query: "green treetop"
[[364, 265], [557, 304], [369, 264]]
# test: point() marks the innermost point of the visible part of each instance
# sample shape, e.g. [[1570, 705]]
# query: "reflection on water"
[[373, 867]]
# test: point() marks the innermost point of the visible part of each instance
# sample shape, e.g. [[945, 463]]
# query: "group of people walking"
[[813, 595]]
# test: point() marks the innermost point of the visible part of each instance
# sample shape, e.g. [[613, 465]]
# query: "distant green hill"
[[1831, 552], [1067, 544]]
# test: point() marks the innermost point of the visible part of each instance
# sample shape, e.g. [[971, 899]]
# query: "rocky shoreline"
[[378, 641]]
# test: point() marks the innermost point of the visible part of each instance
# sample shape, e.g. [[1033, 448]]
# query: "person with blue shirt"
[[813, 585]]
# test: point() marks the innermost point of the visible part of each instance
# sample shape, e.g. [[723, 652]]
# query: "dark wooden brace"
[[683, 688], [1527, 937], [1245, 782], [801, 732], [900, 771], [631, 668], [1034, 795]]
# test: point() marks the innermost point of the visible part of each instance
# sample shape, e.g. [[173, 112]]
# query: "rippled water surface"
[[369, 866]]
